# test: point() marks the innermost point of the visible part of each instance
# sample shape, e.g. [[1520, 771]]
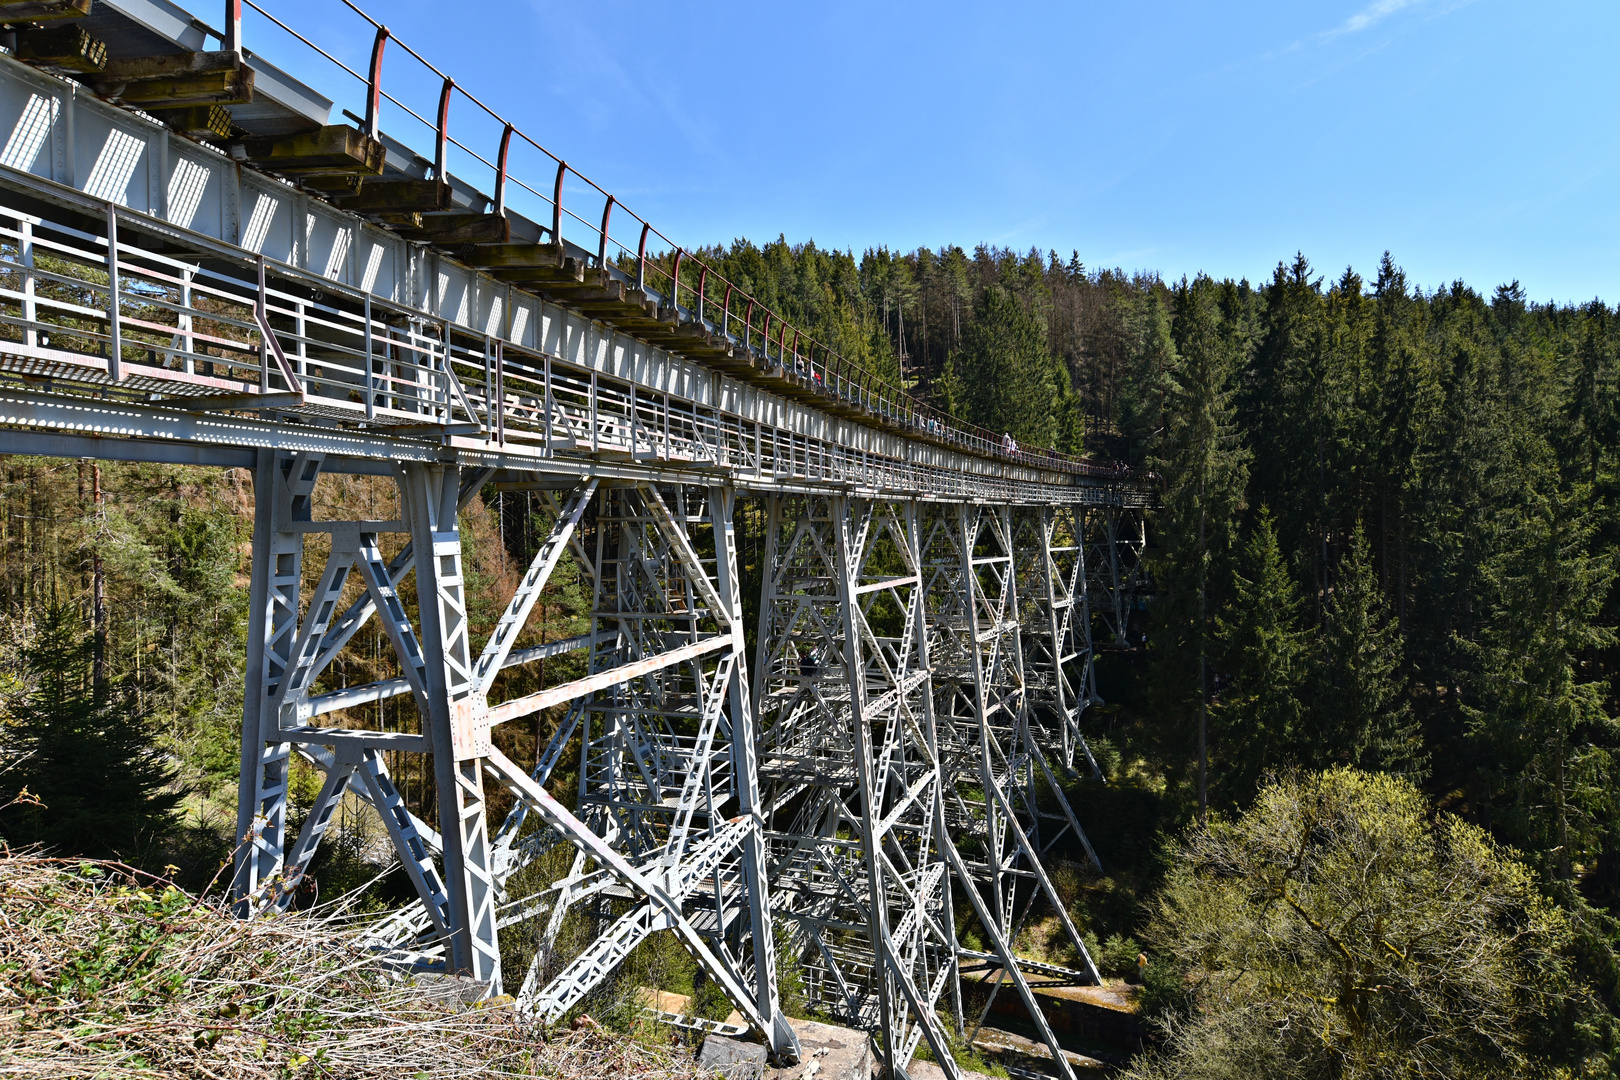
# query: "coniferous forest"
[[1361, 811]]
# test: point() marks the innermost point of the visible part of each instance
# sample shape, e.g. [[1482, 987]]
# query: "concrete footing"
[[829, 1053]]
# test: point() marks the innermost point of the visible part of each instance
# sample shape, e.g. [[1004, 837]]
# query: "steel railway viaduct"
[[200, 263]]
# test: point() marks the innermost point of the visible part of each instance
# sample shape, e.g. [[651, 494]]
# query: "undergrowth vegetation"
[[112, 973]]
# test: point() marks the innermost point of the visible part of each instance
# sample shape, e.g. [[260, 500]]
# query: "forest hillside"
[[1385, 546]]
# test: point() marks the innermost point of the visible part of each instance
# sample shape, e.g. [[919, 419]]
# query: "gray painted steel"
[[884, 758]]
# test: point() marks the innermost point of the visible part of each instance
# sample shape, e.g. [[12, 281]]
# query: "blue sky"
[[1474, 139]]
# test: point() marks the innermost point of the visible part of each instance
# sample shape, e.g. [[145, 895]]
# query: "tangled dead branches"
[[109, 972]]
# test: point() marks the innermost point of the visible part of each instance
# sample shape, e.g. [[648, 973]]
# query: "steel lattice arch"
[[198, 266]]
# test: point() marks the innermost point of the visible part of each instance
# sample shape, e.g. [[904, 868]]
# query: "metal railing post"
[[188, 337], [262, 315], [374, 88], [449, 394], [556, 204], [489, 384], [545, 403], [641, 259], [500, 392], [371, 393], [115, 355], [30, 309], [233, 26], [301, 325], [500, 170], [441, 145]]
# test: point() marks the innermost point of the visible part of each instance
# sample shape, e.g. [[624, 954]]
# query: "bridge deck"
[[385, 345]]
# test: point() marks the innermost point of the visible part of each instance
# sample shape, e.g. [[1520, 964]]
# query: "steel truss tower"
[[852, 767], [885, 767], [669, 815]]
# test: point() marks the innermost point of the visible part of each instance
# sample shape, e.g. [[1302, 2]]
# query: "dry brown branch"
[[108, 972]]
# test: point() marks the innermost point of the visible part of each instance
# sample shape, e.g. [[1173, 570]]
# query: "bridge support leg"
[[457, 721], [282, 491], [1056, 658], [745, 767], [849, 741], [669, 801], [974, 569], [1120, 537], [286, 658]]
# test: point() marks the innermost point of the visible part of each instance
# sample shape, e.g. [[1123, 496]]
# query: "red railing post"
[[601, 251], [500, 170], [641, 259], [441, 147], [374, 94], [233, 26], [703, 280], [725, 314], [675, 283], [556, 204]]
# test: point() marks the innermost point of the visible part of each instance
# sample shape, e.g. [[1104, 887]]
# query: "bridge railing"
[[714, 302], [211, 331]]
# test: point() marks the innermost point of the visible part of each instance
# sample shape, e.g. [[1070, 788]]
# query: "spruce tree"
[[1264, 655], [1147, 357], [1544, 726], [1401, 407], [1002, 377], [87, 757], [1591, 432], [1284, 407], [1204, 465], [1360, 714]]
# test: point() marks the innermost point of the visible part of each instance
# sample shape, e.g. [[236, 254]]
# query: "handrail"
[[890, 401]]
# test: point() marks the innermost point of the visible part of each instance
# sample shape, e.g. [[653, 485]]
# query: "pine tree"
[[88, 758], [1265, 657], [1360, 715]]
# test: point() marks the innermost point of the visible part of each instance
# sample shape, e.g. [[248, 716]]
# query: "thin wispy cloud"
[[1379, 10], [1363, 20], [1372, 15]]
